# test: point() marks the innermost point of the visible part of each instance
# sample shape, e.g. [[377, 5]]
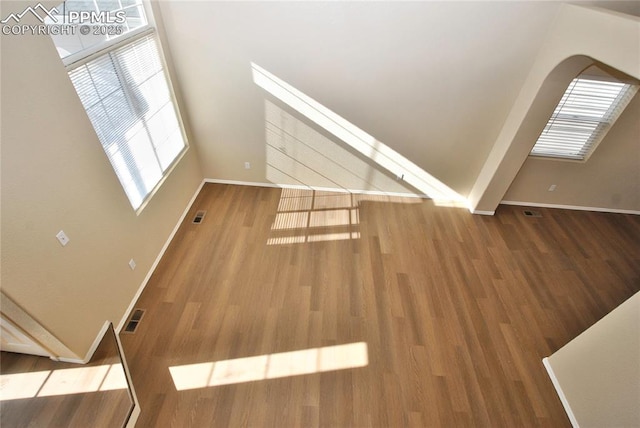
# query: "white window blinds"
[[128, 101], [583, 116]]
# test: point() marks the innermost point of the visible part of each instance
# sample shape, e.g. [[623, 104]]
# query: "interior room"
[[350, 223]]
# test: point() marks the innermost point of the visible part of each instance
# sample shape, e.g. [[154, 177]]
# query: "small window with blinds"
[[123, 18], [586, 112], [124, 89]]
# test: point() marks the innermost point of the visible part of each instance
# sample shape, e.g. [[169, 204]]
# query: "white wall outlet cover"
[[62, 238], [132, 264], [552, 188], [247, 165]]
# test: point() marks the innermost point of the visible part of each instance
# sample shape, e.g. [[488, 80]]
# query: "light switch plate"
[[63, 238]]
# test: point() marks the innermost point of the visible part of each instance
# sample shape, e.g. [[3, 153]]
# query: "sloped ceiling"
[[433, 81]]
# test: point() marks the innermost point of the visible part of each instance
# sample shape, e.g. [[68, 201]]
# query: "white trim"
[[570, 207], [317, 188], [480, 212], [135, 413], [157, 260], [79, 59], [563, 398], [245, 183], [23, 343], [133, 418], [33, 328]]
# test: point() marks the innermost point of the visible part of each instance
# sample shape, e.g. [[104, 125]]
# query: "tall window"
[[121, 81], [588, 108]]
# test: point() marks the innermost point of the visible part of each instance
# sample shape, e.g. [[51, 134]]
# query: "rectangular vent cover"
[[135, 319], [199, 217], [531, 213]]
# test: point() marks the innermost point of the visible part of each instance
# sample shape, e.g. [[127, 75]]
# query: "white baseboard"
[[120, 325], [246, 183], [563, 398], [92, 349], [317, 188], [570, 207], [135, 413], [480, 212]]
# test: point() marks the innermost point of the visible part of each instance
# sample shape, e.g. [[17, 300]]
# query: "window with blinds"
[[127, 99], [588, 108], [124, 89]]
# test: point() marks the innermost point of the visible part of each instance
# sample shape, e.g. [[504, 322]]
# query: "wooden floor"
[[456, 310], [56, 394]]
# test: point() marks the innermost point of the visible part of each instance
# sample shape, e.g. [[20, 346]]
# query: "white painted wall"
[[460, 89], [598, 372], [433, 81]]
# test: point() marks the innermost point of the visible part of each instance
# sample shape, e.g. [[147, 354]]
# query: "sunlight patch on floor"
[[62, 382], [271, 366], [314, 216], [306, 215]]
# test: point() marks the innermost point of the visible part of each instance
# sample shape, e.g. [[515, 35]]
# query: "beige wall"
[[433, 81], [459, 89], [599, 371], [56, 176], [609, 179], [579, 37]]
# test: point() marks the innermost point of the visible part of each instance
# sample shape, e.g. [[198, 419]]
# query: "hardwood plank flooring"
[[457, 310], [68, 395]]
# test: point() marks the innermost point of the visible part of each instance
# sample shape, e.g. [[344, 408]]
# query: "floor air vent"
[[133, 322], [530, 213], [199, 216]]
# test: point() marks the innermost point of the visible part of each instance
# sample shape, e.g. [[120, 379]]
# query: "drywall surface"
[[432, 81], [599, 371], [55, 176], [579, 36], [609, 180]]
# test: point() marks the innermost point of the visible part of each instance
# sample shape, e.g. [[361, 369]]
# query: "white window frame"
[[85, 56], [563, 138], [82, 57]]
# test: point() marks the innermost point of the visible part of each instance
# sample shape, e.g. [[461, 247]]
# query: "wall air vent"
[[199, 217], [133, 322], [531, 213]]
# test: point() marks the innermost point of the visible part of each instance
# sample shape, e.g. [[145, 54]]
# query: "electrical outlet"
[[132, 264], [552, 188], [247, 165], [63, 238]]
